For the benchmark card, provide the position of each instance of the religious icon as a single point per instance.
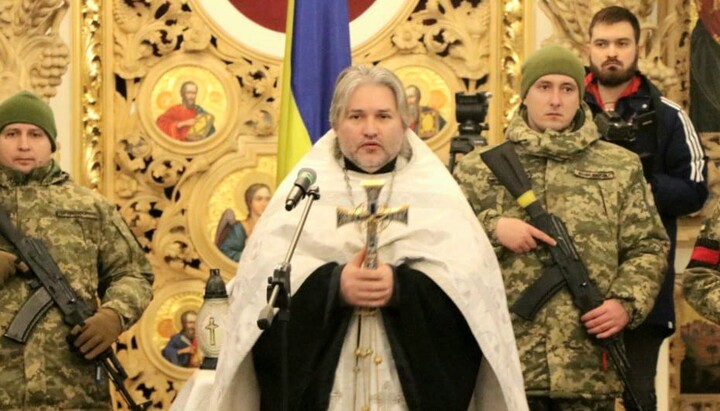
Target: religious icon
(188, 104)
(429, 99)
(704, 57)
(187, 121)
(182, 348)
(232, 234)
(426, 121)
(169, 330)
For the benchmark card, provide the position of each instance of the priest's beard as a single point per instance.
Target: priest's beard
(613, 77)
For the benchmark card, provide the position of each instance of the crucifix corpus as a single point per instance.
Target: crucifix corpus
(368, 353)
(374, 218)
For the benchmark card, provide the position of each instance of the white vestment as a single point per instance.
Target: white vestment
(442, 239)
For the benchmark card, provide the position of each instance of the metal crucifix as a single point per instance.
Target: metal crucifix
(373, 217)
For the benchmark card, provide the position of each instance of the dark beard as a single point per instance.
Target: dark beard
(615, 77)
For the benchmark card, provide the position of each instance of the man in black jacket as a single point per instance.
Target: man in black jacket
(673, 160)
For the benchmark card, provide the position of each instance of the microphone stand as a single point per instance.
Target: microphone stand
(278, 297)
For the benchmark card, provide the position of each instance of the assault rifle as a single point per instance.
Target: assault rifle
(568, 269)
(51, 287)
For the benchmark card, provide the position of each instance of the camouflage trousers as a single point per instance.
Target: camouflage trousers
(569, 404)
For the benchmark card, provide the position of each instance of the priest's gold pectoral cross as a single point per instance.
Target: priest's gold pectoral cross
(374, 218)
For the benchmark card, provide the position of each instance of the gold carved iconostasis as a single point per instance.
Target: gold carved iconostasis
(175, 174)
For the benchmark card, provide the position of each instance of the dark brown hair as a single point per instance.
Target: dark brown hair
(615, 14)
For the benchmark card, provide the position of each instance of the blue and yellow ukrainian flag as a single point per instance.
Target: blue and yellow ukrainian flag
(317, 49)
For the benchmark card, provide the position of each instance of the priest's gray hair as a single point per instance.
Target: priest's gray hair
(355, 76)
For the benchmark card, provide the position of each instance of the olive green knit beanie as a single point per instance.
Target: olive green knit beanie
(551, 60)
(26, 107)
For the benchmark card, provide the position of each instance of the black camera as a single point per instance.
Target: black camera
(613, 128)
(470, 113)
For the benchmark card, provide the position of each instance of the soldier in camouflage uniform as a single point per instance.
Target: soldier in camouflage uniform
(701, 281)
(598, 190)
(93, 247)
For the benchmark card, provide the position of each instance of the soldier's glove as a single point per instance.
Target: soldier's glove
(97, 333)
(9, 264)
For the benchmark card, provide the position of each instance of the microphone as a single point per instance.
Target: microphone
(306, 177)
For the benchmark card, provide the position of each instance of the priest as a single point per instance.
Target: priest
(425, 327)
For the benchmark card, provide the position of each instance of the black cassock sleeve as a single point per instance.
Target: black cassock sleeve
(435, 353)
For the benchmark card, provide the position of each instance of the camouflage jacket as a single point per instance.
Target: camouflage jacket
(701, 280)
(103, 263)
(598, 190)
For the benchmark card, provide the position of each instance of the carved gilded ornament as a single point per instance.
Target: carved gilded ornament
(172, 192)
(571, 19)
(32, 55)
(172, 187)
(510, 55)
(157, 46)
(145, 32)
(457, 36)
(434, 114)
(463, 39)
(86, 100)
